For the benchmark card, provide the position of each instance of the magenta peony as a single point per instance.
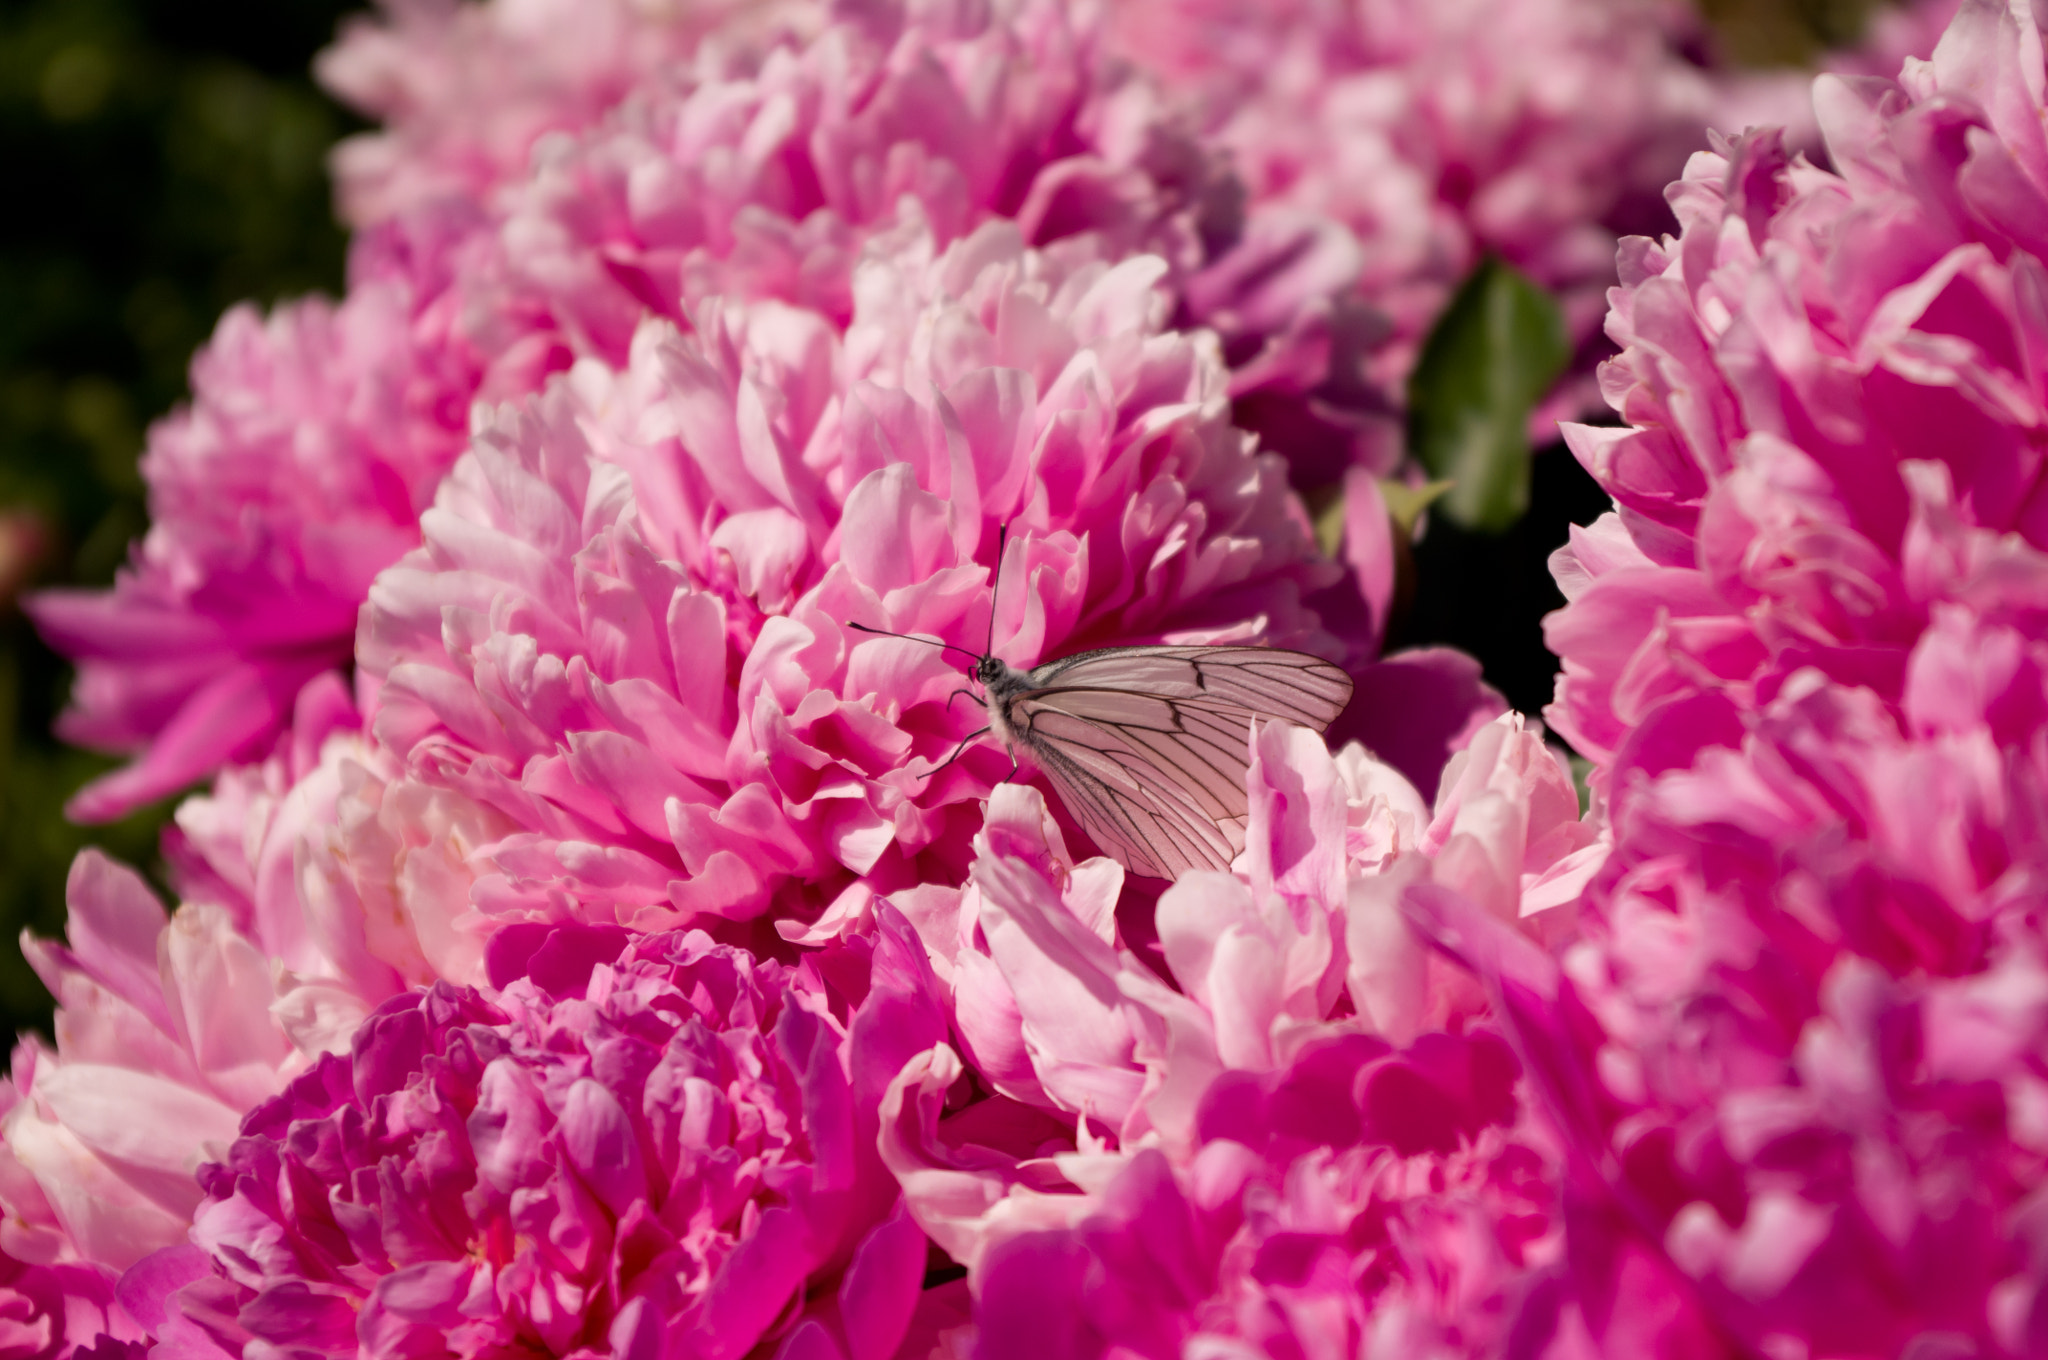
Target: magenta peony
(655, 1150)
(1830, 398)
(1802, 1038)
(1315, 1145)
(1810, 1010)
(1361, 1201)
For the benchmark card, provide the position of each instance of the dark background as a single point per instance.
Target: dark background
(167, 161)
(167, 158)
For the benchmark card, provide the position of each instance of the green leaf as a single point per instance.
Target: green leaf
(1325, 506)
(1582, 770)
(1406, 503)
(1496, 351)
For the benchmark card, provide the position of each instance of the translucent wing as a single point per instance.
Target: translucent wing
(1148, 746)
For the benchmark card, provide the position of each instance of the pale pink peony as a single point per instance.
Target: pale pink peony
(312, 446)
(1437, 131)
(627, 634)
(769, 182)
(1802, 1039)
(660, 1148)
(465, 90)
(169, 1028)
(1315, 1145)
(53, 1305)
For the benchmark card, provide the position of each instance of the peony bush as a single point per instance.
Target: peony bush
(609, 929)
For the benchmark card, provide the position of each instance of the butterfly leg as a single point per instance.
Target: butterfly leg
(969, 693)
(957, 751)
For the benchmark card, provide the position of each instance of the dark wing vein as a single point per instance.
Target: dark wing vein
(1266, 681)
(1159, 801)
(1148, 747)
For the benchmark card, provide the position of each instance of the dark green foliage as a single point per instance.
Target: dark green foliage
(1493, 355)
(1487, 593)
(1784, 32)
(163, 161)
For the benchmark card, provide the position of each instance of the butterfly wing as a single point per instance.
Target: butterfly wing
(1148, 746)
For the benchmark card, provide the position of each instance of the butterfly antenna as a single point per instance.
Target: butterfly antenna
(929, 642)
(995, 591)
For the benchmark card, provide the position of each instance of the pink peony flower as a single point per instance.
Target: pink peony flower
(770, 181)
(1830, 397)
(660, 1149)
(169, 1028)
(298, 473)
(627, 633)
(62, 1312)
(464, 91)
(151, 1072)
(312, 446)
(1437, 132)
(1314, 1145)
(1361, 1201)
(1801, 1038)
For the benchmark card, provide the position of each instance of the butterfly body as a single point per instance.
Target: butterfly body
(1003, 684)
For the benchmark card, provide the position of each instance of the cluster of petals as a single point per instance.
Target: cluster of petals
(1310, 1141)
(769, 181)
(463, 91)
(629, 632)
(639, 1147)
(63, 1310)
(1803, 1037)
(1831, 388)
(170, 1027)
(1440, 132)
(763, 171)
(314, 439)
(820, 334)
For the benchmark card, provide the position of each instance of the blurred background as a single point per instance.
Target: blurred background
(168, 160)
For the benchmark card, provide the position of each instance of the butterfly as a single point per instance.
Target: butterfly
(1148, 747)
